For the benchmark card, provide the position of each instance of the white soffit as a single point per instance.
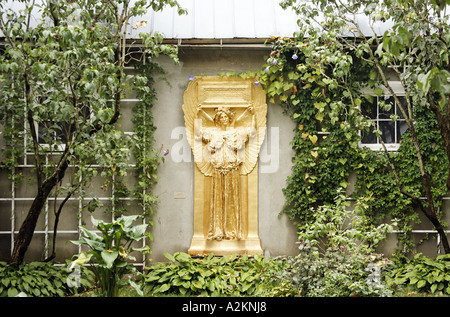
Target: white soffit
(216, 19)
(221, 19)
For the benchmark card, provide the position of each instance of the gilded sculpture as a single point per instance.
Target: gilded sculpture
(225, 123)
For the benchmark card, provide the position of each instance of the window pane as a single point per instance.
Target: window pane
(383, 114)
(42, 135)
(53, 133)
(368, 137)
(402, 127)
(370, 108)
(404, 106)
(388, 129)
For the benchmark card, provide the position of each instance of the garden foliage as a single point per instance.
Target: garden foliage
(214, 276)
(423, 274)
(337, 256)
(62, 79)
(110, 253)
(42, 279)
(327, 76)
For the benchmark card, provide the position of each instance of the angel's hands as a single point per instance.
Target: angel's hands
(198, 108)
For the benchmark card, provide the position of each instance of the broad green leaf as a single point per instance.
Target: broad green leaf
(401, 280)
(421, 283)
(413, 280)
(423, 83)
(81, 260)
(90, 234)
(378, 91)
(170, 257)
(5, 281)
(163, 288)
(433, 288)
(138, 232)
(136, 287)
(109, 257)
(127, 220)
(182, 257)
(94, 221)
(12, 292)
(183, 290)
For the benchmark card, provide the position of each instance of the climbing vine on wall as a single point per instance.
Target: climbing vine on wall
(147, 155)
(327, 139)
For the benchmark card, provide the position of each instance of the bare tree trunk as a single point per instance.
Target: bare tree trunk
(28, 226)
(55, 226)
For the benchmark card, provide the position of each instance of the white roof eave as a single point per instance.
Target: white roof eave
(218, 19)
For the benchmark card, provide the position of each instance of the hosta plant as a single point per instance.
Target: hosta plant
(423, 274)
(216, 276)
(39, 279)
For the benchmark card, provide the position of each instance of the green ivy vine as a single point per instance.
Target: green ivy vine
(147, 156)
(326, 142)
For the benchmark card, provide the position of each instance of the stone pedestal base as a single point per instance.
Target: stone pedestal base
(203, 247)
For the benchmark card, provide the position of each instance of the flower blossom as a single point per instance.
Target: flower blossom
(191, 78)
(294, 57)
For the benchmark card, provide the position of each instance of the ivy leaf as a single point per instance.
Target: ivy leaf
(313, 138)
(319, 116)
(423, 83)
(378, 91)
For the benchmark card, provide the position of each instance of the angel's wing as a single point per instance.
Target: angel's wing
(256, 139)
(189, 109)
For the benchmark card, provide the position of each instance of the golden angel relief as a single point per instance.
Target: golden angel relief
(225, 126)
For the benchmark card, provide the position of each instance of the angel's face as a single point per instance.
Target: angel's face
(224, 119)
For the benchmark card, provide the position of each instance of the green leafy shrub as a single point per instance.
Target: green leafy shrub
(332, 274)
(423, 274)
(37, 279)
(110, 253)
(336, 256)
(215, 276)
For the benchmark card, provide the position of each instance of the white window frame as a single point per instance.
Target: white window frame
(400, 92)
(46, 146)
(60, 147)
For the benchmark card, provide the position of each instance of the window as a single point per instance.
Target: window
(391, 130)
